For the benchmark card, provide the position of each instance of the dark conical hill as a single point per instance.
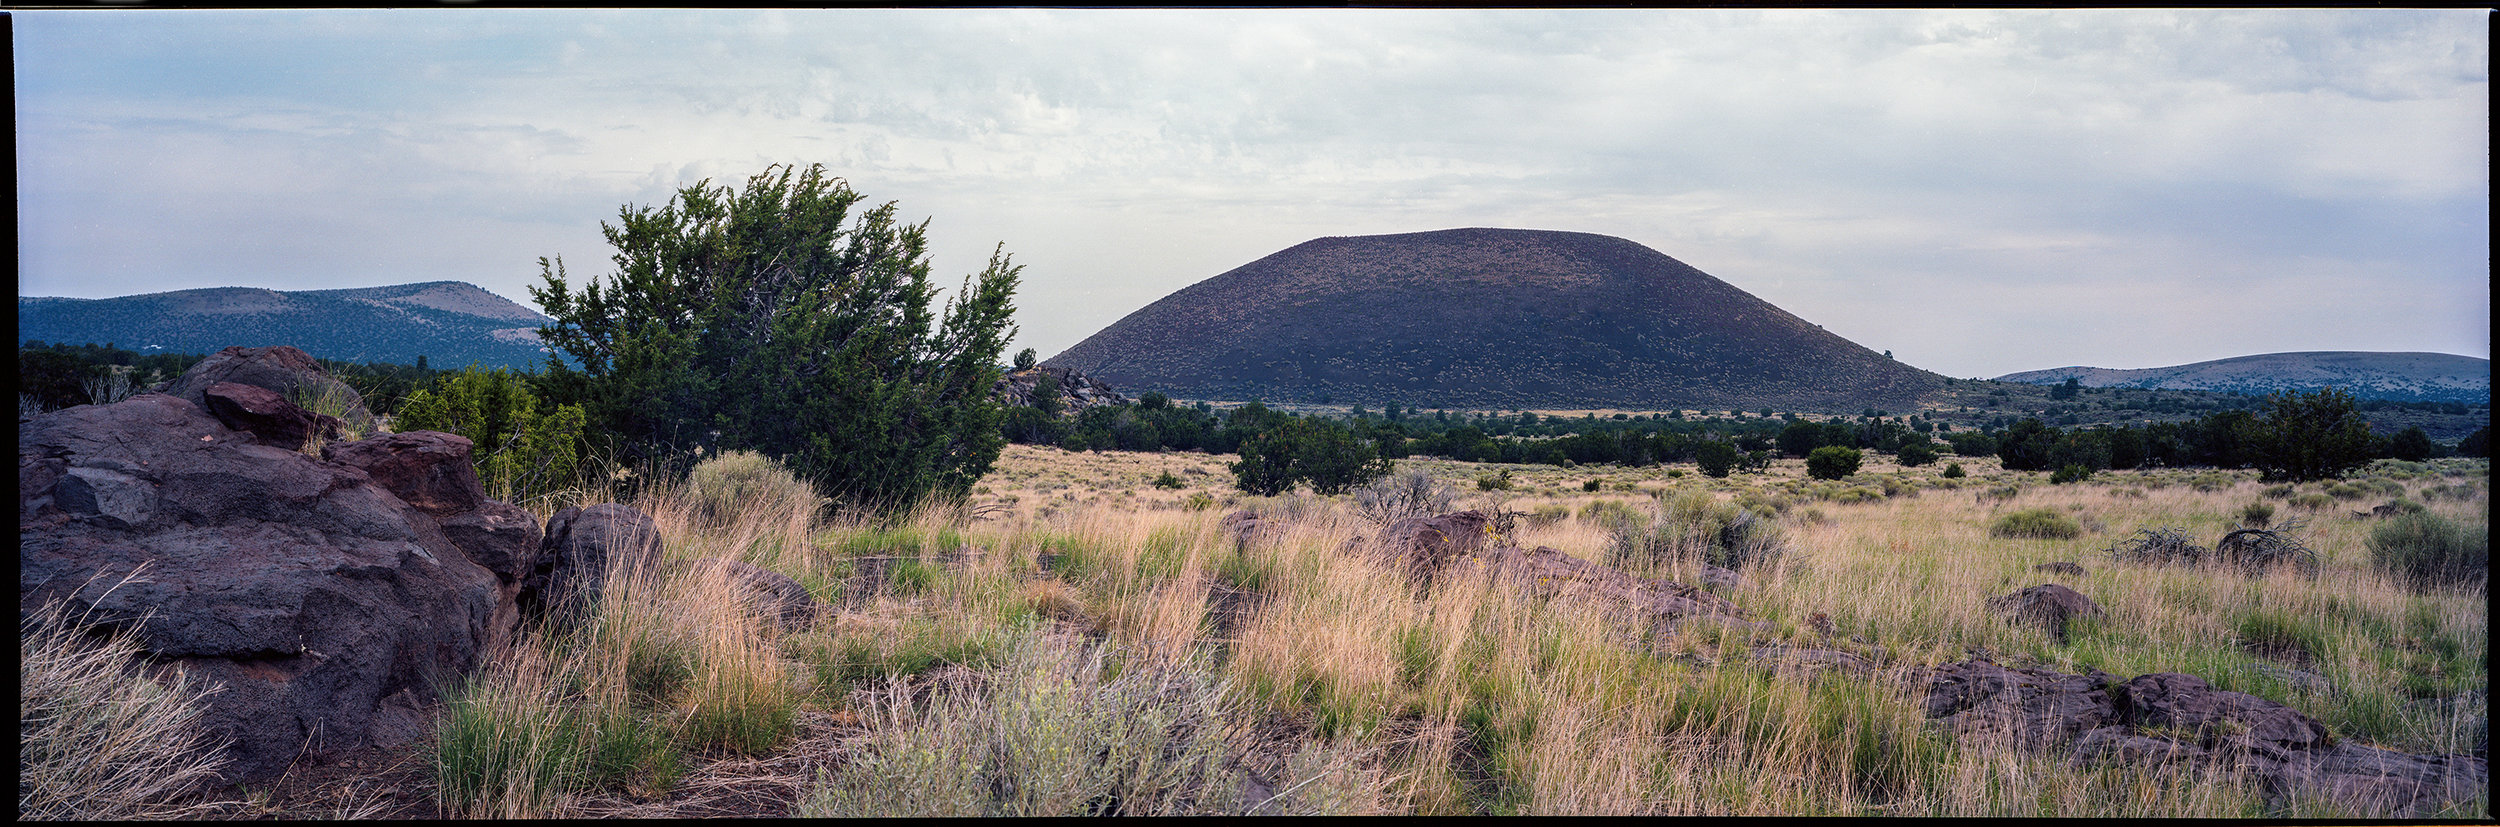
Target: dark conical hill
(1487, 318)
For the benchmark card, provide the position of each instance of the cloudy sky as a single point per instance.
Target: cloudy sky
(1978, 192)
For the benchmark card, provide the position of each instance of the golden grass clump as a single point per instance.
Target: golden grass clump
(98, 739)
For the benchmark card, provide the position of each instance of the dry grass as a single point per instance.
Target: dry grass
(986, 660)
(98, 738)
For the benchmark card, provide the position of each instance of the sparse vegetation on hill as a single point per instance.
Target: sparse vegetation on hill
(1487, 318)
(454, 323)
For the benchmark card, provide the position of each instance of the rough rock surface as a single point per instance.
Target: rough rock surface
(283, 370)
(1426, 547)
(1554, 573)
(327, 606)
(2164, 717)
(2048, 605)
(267, 416)
(427, 469)
(1077, 392)
(574, 562)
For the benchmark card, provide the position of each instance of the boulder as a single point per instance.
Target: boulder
(427, 469)
(1241, 526)
(1551, 573)
(267, 416)
(2049, 606)
(2186, 704)
(1077, 392)
(2031, 707)
(290, 373)
(328, 608)
(583, 547)
(2171, 717)
(776, 599)
(1423, 546)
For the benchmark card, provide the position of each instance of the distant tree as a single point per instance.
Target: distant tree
(1324, 454)
(2029, 445)
(1025, 359)
(1832, 462)
(1800, 438)
(1916, 454)
(2412, 445)
(1716, 457)
(2476, 444)
(2311, 436)
(1152, 401)
(1971, 443)
(1755, 462)
(2067, 389)
(53, 379)
(775, 317)
(1954, 471)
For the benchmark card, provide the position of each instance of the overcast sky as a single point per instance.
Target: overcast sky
(1979, 192)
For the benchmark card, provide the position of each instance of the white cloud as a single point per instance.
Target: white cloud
(1873, 171)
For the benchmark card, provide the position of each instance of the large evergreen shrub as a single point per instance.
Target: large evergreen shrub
(773, 318)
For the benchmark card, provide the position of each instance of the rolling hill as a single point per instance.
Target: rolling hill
(2401, 377)
(1487, 318)
(452, 323)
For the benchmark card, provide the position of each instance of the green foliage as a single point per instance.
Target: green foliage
(1592, 485)
(1047, 395)
(2070, 473)
(1494, 482)
(777, 319)
(1715, 458)
(1916, 454)
(1832, 462)
(523, 448)
(1954, 471)
(1325, 454)
(2412, 444)
(2030, 445)
(2036, 524)
(54, 380)
(1800, 438)
(2311, 436)
(2256, 515)
(1167, 482)
(2426, 550)
(1026, 359)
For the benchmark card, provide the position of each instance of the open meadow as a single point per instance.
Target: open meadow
(1081, 639)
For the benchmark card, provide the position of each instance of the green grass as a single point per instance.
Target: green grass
(2036, 524)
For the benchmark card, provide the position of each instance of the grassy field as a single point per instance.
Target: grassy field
(1080, 640)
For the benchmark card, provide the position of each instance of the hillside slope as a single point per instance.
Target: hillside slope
(452, 323)
(2401, 376)
(1487, 318)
